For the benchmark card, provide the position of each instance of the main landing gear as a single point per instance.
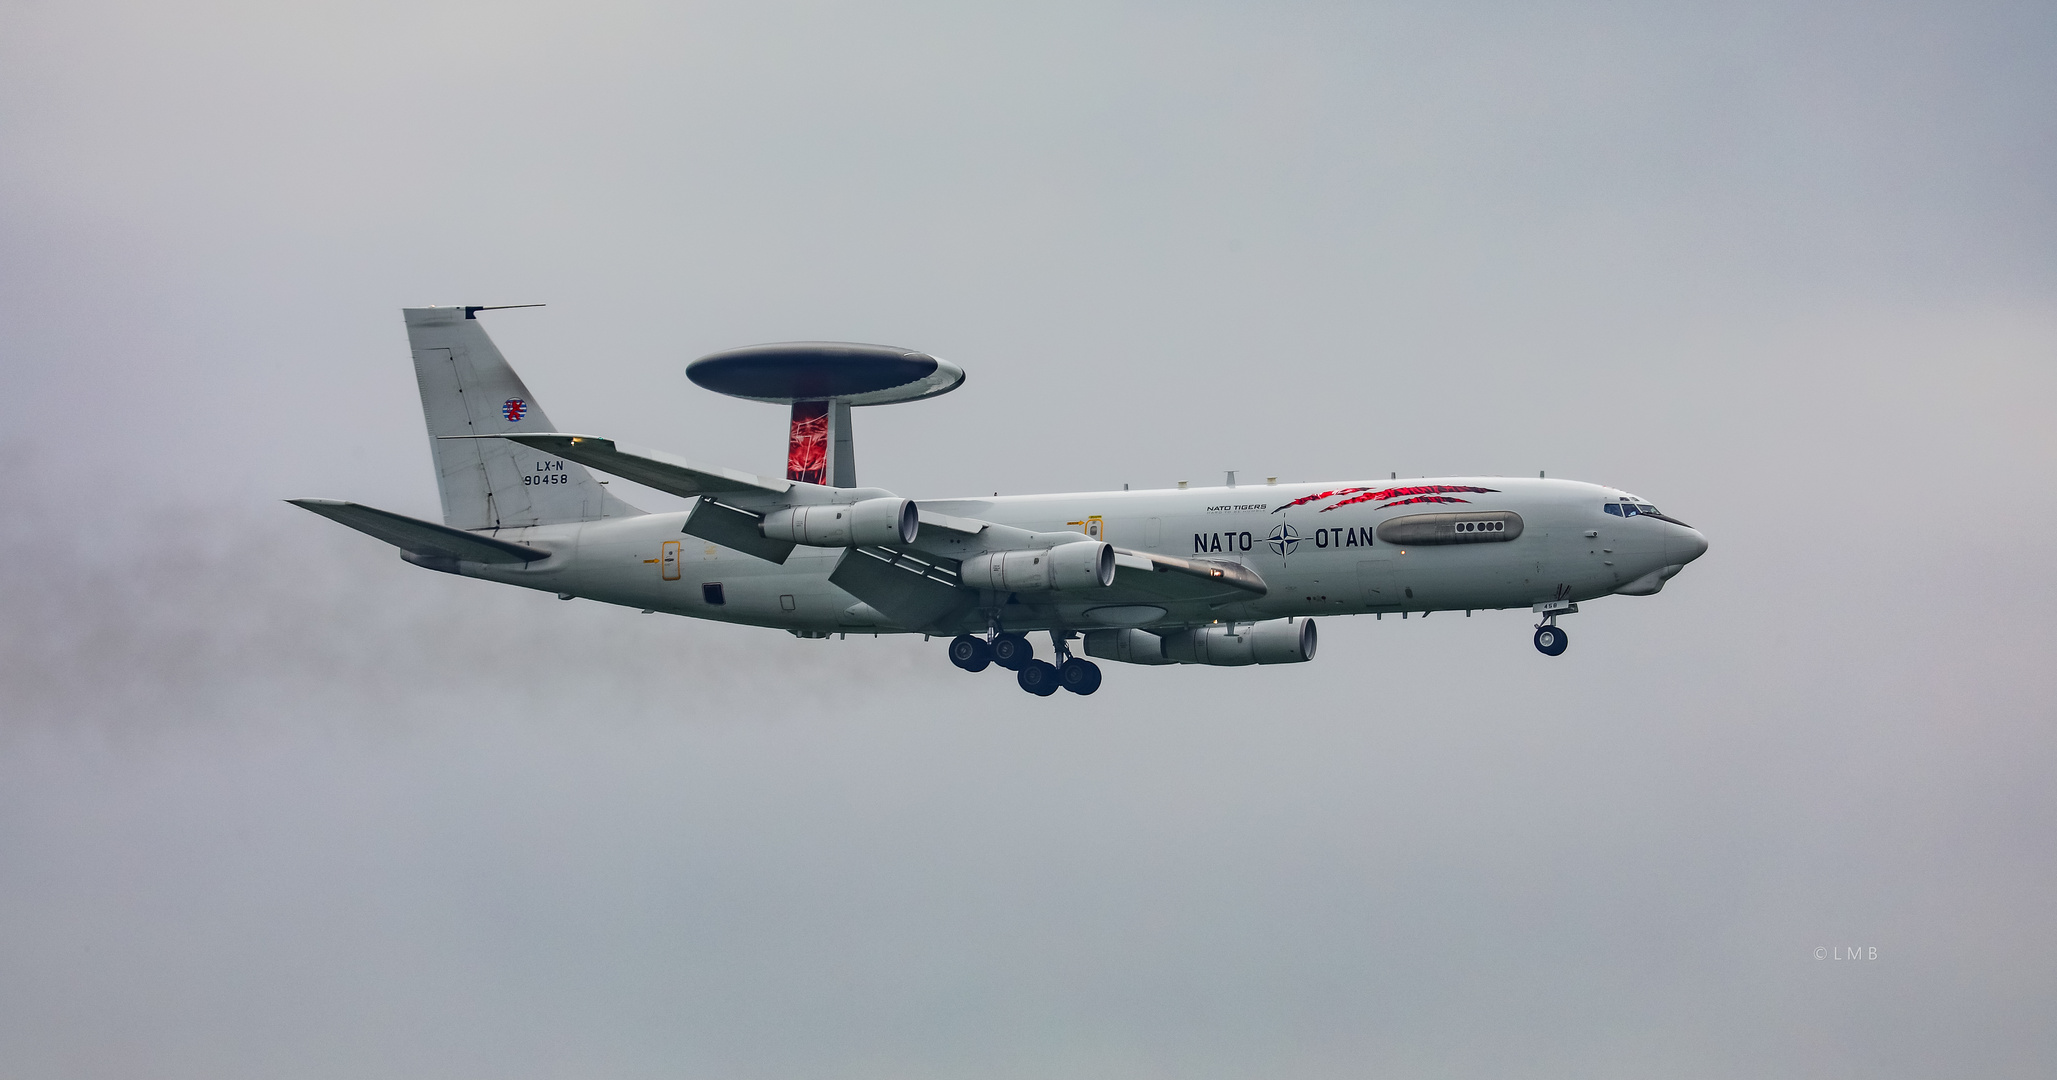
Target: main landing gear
(970, 653)
(1013, 652)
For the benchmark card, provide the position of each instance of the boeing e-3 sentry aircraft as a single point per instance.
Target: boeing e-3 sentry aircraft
(1223, 576)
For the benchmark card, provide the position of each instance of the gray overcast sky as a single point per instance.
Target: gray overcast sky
(273, 804)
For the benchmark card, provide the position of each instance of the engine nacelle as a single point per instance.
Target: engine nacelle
(871, 521)
(1085, 564)
(1274, 641)
(1127, 646)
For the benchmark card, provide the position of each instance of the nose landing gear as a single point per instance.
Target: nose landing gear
(1550, 638)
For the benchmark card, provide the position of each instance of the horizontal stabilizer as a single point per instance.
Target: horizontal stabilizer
(651, 468)
(423, 538)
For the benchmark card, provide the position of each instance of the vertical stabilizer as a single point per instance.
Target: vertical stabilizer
(468, 389)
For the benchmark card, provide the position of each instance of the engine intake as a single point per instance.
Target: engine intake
(1085, 564)
(858, 524)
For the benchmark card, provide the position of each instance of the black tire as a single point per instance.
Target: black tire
(1011, 651)
(1551, 640)
(1038, 678)
(1079, 676)
(970, 653)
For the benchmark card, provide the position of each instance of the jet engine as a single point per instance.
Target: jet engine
(1084, 564)
(870, 521)
(1127, 646)
(1274, 641)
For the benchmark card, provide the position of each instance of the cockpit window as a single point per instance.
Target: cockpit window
(1613, 508)
(1647, 509)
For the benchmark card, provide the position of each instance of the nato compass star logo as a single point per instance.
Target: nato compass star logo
(1284, 539)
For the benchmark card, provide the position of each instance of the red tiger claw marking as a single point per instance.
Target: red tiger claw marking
(1426, 499)
(1317, 498)
(1421, 489)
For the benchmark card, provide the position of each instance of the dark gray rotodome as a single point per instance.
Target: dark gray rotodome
(820, 370)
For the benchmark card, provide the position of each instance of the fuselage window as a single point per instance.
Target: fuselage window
(1481, 526)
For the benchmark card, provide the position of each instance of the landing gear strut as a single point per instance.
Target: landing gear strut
(1077, 675)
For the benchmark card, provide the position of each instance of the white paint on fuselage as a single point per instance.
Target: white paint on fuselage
(1331, 570)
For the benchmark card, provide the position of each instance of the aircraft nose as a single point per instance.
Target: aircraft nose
(1684, 544)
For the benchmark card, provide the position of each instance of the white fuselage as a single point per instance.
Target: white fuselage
(1314, 561)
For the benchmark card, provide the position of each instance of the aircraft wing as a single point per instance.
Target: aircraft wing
(1168, 577)
(651, 468)
(949, 540)
(962, 526)
(906, 587)
(919, 587)
(945, 541)
(423, 538)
